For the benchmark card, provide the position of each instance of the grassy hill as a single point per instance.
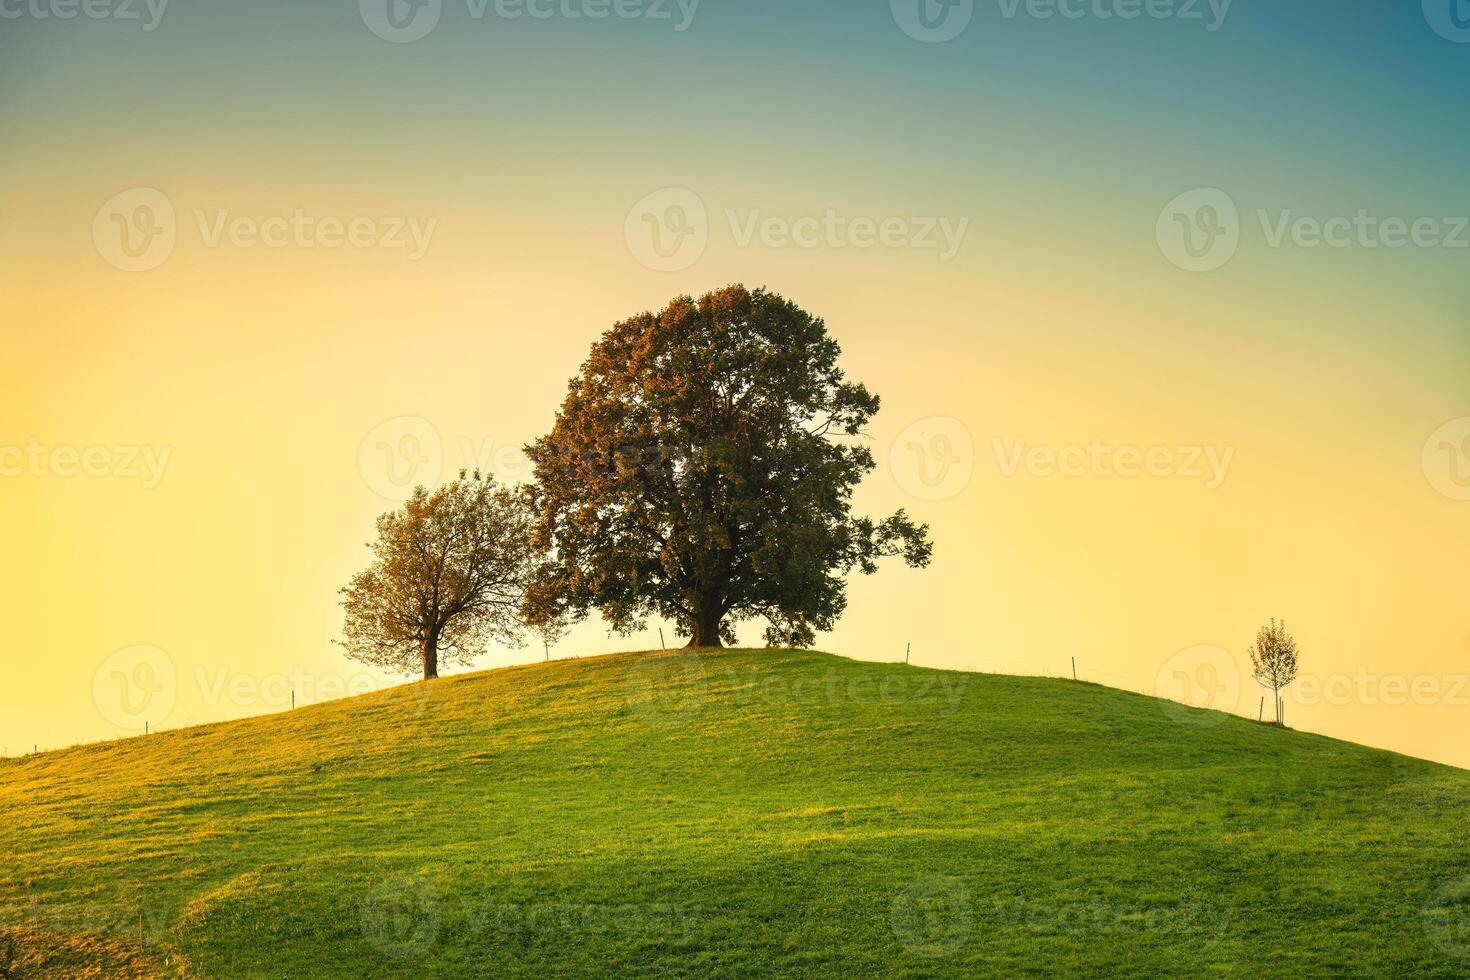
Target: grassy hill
(742, 813)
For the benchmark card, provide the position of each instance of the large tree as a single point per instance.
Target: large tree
(701, 469)
(448, 575)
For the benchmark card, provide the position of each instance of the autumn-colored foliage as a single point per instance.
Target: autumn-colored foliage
(448, 574)
(701, 469)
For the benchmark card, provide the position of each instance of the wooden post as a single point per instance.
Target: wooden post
(1261, 715)
(546, 645)
(661, 638)
(908, 650)
(1074, 668)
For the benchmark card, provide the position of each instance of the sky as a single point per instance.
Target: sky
(1165, 301)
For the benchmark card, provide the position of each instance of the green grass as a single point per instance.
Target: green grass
(743, 813)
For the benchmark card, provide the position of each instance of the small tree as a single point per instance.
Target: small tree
(1274, 660)
(448, 576)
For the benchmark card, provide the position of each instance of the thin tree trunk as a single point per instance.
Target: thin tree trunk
(431, 658)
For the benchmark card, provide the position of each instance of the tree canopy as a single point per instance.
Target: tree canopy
(448, 575)
(701, 468)
(1273, 660)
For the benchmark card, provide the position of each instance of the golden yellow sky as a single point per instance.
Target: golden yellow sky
(241, 400)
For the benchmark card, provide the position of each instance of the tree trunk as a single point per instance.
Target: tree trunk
(430, 650)
(706, 628)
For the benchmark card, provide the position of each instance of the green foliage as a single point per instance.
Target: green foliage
(701, 469)
(745, 814)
